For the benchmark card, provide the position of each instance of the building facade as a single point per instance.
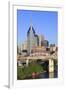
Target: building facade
(46, 43)
(39, 51)
(24, 45)
(41, 40)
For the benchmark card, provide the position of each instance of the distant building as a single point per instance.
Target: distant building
(19, 49)
(52, 45)
(32, 39)
(39, 51)
(24, 45)
(24, 48)
(41, 40)
(36, 40)
(24, 53)
(46, 43)
(53, 48)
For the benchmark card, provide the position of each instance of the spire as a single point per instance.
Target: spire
(31, 23)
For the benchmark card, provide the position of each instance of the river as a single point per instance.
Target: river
(45, 75)
(48, 75)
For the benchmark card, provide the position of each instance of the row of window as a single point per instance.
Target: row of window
(39, 54)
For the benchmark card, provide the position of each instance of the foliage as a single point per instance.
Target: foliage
(27, 71)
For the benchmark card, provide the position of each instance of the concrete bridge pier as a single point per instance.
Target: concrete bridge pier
(51, 75)
(51, 66)
(27, 62)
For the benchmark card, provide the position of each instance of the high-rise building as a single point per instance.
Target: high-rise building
(46, 43)
(32, 39)
(36, 40)
(24, 45)
(41, 40)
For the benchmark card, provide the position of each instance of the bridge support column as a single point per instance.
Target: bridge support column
(27, 63)
(51, 75)
(51, 65)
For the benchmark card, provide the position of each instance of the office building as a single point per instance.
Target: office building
(32, 39)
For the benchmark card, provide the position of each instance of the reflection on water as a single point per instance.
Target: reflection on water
(48, 75)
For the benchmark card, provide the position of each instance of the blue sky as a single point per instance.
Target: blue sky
(44, 22)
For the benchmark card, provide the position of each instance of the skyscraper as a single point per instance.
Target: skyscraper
(32, 39)
(41, 40)
(46, 43)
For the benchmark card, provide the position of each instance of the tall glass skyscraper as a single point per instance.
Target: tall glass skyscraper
(32, 39)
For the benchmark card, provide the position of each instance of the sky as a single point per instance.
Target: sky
(44, 23)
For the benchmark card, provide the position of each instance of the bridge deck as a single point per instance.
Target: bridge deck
(44, 58)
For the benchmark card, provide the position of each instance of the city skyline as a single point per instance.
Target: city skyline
(40, 22)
